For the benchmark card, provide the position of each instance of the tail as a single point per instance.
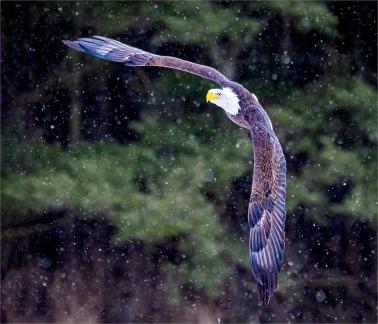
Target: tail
(111, 50)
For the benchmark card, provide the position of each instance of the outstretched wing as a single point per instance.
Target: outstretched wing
(112, 50)
(266, 211)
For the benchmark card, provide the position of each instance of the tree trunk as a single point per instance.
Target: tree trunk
(74, 133)
(225, 59)
(75, 114)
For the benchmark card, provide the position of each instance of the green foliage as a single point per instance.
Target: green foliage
(152, 190)
(305, 15)
(204, 22)
(315, 123)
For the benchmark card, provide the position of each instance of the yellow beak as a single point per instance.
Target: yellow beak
(210, 96)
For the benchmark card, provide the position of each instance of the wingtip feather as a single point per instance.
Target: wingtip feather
(264, 295)
(110, 50)
(72, 44)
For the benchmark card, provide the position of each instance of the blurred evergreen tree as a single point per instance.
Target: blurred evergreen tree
(168, 169)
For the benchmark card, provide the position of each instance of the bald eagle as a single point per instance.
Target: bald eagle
(266, 209)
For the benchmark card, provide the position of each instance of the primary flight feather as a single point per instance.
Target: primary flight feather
(266, 210)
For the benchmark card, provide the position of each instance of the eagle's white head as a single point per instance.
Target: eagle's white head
(224, 98)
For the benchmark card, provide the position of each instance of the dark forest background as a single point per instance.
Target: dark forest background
(124, 195)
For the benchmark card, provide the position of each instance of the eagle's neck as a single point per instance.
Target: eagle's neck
(232, 106)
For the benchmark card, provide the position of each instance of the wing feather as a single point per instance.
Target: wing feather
(266, 212)
(113, 50)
